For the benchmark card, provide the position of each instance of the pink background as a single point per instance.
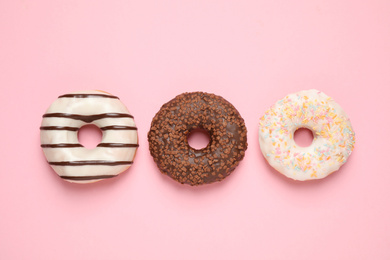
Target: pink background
(146, 52)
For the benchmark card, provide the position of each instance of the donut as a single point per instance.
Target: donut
(176, 119)
(333, 140)
(70, 159)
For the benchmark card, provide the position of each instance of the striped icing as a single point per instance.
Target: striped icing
(69, 159)
(333, 141)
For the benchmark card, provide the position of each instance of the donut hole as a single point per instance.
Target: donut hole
(198, 138)
(303, 137)
(89, 136)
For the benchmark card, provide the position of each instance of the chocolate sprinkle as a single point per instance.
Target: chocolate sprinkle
(176, 119)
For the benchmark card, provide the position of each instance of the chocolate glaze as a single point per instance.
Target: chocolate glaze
(118, 127)
(110, 127)
(113, 145)
(63, 145)
(176, 119)
(86, 96)
(88, 118)
(87, 178)
(90, 162)
(67, 128)
(67, 145)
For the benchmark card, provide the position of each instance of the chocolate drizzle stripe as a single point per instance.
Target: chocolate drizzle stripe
(87, 178)
(91, 162)
(86, 96)
(110, 127)
(63, 145)
(117, 145)
(118, 127)
(67, 128)
(68, 145)
(88, 118)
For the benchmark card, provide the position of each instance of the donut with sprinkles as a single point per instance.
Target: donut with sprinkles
(171, 126)
(333, 141)
(70, 159)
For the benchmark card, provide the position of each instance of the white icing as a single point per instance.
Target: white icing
(333, 140)
(88, 106)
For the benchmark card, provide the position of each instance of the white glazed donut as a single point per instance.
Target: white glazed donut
(333, 141)
(69, 159)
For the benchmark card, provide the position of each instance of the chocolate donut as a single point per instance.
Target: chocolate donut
(176, 119)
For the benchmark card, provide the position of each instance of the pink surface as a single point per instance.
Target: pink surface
(146, 52)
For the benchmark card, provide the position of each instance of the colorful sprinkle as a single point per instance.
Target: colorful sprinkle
(333, 142)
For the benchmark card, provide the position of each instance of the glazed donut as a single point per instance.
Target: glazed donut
(333, 141)
(197, 110)
(69, 159)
